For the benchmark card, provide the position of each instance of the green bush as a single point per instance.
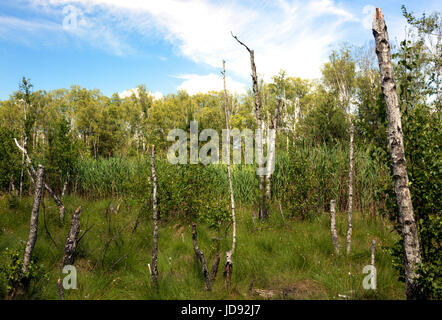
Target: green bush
(11, 277)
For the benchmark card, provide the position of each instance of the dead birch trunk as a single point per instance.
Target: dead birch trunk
(34, 220)
(228, 269)
(11, 185)
(22, 167)
(71, 240)
(263, 206)
(412, 255)
(60, 289)
(350, 190)
(65, 185)
(215, 265)
(33, 174)
(271, 155)
(154, 271)
(334, 232)
(200, 255)
(373, 248)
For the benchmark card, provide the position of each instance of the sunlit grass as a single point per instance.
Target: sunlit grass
(275, 255)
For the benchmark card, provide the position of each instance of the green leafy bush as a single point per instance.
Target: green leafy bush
(11, 277)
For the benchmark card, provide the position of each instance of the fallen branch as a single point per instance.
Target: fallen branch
(107, 244)
(84, 233)
(45, 225)
(121, 258)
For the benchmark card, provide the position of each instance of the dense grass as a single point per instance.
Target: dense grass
(305, 179)
(277, 254)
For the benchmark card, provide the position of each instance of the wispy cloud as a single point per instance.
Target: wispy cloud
(194, 83)
(295, 35)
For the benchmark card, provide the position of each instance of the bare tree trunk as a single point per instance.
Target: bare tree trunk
(334, 232)
(154, 272)
(33, 174)
(271, 155)
(11, 185)
(228, 269)
(60, 289)
(65, 185)
(71, 240)
(263, 206)
(373, 247)
(34, 220)
(22, 167)
(200, 255)
(215, 265)
(412, 256)
(350, 190)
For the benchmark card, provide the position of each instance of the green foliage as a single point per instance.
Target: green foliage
(326, 122)
(9, 159)
(62, 154)
(421, 125)
(11, 262)
(430, 271)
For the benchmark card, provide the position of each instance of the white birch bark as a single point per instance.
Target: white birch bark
(32, 238)
(72, 238)
(154, 271)
(272, 154)
(333, 230)
(373, 248)
(350, 190)
(263, 207)
(229, 255)
(412, 255)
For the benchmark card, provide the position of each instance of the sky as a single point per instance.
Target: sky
(115, 45)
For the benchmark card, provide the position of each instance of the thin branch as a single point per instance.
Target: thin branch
(240, 42)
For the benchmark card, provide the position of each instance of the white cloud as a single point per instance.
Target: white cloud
(195, 83)
(129, 92)
(294, 35)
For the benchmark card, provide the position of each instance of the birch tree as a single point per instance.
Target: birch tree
(154, 270)
(412, 256)
(229, 254)
(263, 206)
(339, 75)
(32, 238)
(350, 189)
(271, 155)
(72, 238)
(333, 230)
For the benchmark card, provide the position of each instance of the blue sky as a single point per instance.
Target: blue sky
(115, 45)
